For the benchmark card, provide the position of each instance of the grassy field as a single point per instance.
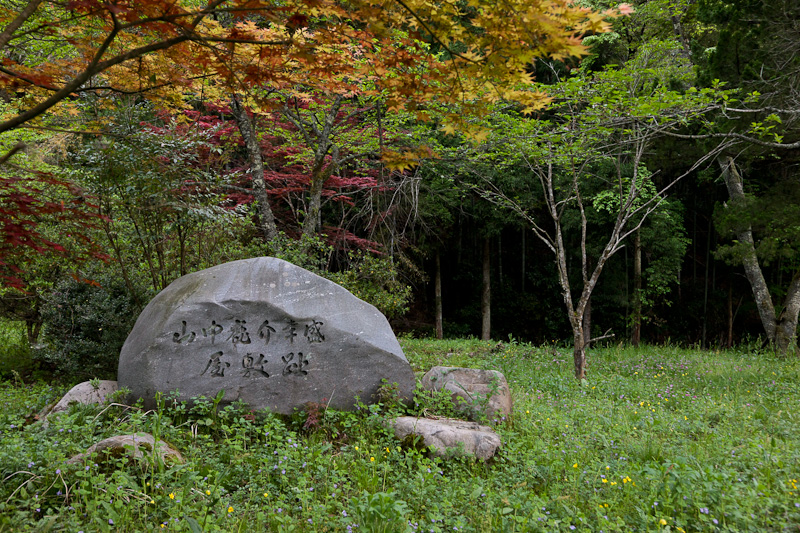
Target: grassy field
(657, 439)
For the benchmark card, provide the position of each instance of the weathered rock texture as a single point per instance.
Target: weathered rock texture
(474, 391)
(139, 446)
(267, 332)
(449, 437)
(82, 393)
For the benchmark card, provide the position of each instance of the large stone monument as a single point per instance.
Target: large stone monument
(269, 333)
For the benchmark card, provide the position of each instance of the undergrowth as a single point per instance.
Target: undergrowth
(657, 439)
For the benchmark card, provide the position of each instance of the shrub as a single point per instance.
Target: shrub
(85, 326)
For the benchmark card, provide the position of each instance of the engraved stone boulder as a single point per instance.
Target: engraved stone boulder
(137, 447)
(474, 391)
(448, 437)
(268, 333)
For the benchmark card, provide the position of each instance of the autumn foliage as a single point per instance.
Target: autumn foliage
(31, 203)
(406, 53)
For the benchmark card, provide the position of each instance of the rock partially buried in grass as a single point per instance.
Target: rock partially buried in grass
(138, 447)
(268, 333)
(84, 393)
(475, 392)
(448, 437)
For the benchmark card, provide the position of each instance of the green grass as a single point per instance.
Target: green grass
(657, 439)
(15, 353)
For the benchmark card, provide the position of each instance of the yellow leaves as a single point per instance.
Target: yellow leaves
(71, 109)
(408, 159)
(352, 47)
(477, 136)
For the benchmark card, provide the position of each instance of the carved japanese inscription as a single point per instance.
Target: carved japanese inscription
(268, 356)
(268, 334)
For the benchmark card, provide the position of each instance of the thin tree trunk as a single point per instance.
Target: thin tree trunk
(786, 327)
(587, 324)
(438, 297)
(33, 328)
(781, 330)
(500, 259)
(266, 219)
(766, 309)
(730, 315)
(523, 261)
(317, 135)
(636, 334)
(123, 269)
(704, 337)
(486, 293)
(579, 352)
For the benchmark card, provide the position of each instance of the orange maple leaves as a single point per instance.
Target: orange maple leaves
(410, 50)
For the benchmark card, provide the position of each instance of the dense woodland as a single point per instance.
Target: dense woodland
(588, 171)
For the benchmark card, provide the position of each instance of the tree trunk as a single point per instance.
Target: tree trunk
(636, 334)
(781, 331)
(266, 219)
(587, 324)
(786, 326)
(486, 293)
(703, 343)
(438, 297)
(729, 344)
(33, 327)
(522, 280)
(317, 135)
(312, 224)
(579, 352)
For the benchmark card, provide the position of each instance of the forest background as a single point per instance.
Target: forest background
(609, 170)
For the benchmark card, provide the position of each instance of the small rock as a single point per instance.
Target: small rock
(83, 393)
(449, 437)
(137, 447)
(475, 392)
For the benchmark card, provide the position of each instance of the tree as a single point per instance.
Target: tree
(756, 52)
(777, 216)
(117, 47)
(411, 49)
(610, 118)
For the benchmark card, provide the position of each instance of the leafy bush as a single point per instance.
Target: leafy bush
(371, 278)
(86, 325)
(375, 280)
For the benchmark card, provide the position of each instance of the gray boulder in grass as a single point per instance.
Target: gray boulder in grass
(83, 393)
(448, 437)
(138, 446)
(268, 333)
(474, 391)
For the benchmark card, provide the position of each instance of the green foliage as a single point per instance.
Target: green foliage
(774, 217)
(309, 252)
(381, 512)
(86, 326)
(658, 439)
(16, 357)
(158, 189)
(369, 277)
(375, 280)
